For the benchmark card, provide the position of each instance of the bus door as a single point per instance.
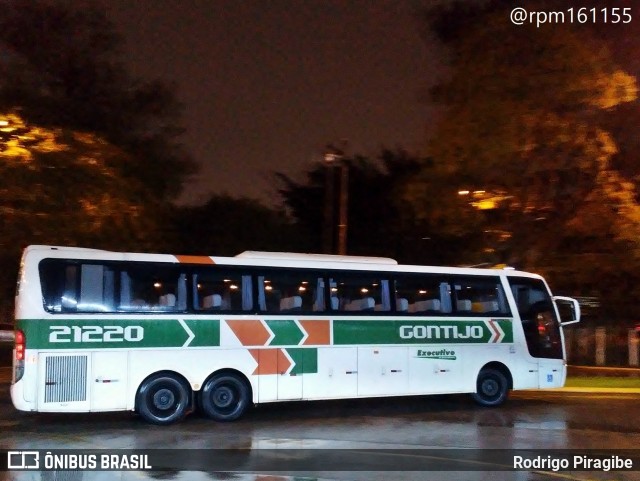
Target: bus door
(542, 331)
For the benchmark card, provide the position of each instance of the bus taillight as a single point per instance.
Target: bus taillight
(18, 363)
(20, 342)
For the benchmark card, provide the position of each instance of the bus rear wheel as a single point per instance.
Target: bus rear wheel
(224, 397)
(492, 388)
(163, 399)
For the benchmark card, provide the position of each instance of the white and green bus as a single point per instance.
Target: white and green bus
(163, 335)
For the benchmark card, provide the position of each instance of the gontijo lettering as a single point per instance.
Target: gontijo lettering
(441, 332)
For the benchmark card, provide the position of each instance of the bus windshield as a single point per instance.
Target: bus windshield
(538, 317)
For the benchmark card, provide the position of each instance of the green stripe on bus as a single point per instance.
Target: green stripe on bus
(305, 359)
(286, 333)
(206, 332)
(408, 331)
(119, 333)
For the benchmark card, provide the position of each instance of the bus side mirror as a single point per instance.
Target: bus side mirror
(563, 304)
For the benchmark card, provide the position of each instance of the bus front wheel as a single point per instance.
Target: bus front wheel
(163, 399)
(224, 397)
(492, 388)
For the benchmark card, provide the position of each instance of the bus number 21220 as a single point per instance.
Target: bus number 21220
(96, 333)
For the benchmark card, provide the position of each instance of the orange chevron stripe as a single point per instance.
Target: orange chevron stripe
(283, 362)
(319, 332)
(270, 361)
(267, 360)
(194, 259)
(250, 332)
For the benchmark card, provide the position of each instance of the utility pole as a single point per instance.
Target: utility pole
(344, 202)
(335, 156)
(327, 231)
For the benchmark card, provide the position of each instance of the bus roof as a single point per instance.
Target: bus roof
(268, 259)
(315, 257)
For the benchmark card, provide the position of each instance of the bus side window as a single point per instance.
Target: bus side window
(222, 290)
(59, 282)
(479, 296)
(290, 292)
(421, 295)
(360, 293)
(74, 287)
(152, 287)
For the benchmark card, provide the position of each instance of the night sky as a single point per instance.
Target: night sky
(267, 84)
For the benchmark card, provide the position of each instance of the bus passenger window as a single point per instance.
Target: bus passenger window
(421, 295)
(152, 287)
(59, 282)
(360, 293)
(69, 286)
(290, 292)
(222, 290)
(479, 296)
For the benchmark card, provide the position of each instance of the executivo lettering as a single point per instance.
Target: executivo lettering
(443, 354)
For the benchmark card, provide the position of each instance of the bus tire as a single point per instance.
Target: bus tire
(163, 399)
(224, 397)
(492, 388)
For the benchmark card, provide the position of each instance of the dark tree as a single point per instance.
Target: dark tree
(533, 147)
(61, 67)
(380, 220)
(226, 226)
(89, 155)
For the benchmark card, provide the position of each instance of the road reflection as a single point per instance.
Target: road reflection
(528, 421)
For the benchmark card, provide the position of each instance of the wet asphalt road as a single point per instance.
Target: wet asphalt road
(529, 420)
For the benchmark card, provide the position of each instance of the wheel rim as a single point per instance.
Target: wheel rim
(163, 399)
(490, 388)
(224, 397)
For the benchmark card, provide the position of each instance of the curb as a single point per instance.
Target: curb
(594, 390)
(603, 370)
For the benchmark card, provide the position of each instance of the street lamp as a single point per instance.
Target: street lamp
(333, 156)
